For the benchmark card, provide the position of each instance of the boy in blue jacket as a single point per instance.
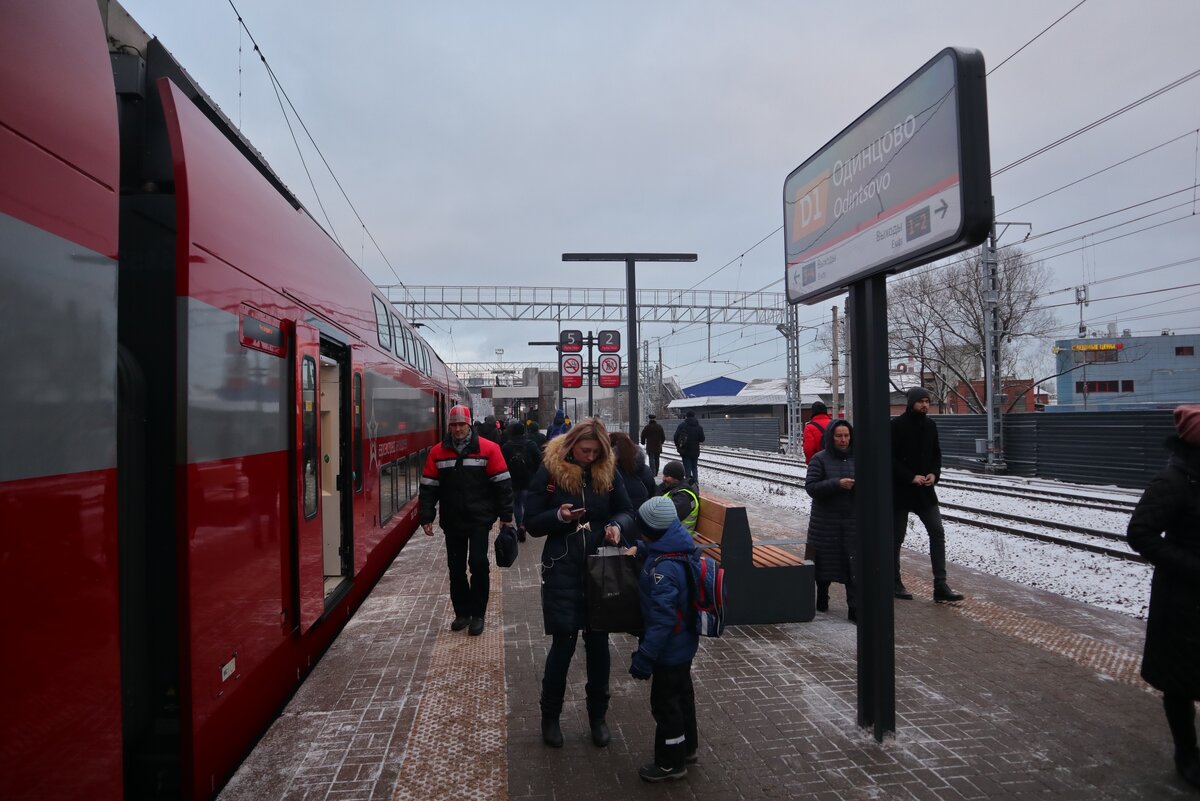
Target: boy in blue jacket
(668, 644)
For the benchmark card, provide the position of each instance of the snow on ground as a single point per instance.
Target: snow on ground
(1090, 578)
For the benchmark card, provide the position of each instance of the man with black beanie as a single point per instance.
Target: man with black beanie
(916, 467)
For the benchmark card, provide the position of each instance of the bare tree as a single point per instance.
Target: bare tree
(936, 318)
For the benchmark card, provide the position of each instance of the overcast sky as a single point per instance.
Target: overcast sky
(481, 140)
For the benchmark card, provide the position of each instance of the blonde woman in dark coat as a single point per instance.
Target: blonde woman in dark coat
(577, 501)
(1165, 528)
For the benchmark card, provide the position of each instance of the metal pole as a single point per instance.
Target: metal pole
(873, 492)
(631, 334)
(591, 374)
(834, 362)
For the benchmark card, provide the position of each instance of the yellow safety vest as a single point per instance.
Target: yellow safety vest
(690, 521)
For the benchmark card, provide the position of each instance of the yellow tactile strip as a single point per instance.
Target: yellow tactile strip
(457, 747)
(1112, 661)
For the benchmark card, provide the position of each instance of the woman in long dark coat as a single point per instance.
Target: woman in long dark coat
(635, 473)
(830, 483)
(1165, 528)
(577, 501)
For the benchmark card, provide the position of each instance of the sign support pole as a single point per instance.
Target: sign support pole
(873, 488)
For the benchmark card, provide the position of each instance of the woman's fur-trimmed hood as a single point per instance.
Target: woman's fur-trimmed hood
(568, 476)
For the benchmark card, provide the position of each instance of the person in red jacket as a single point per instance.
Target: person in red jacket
(466, 477)
(814, 431)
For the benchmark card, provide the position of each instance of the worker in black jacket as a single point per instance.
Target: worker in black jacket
(465, 477)
(916, 467)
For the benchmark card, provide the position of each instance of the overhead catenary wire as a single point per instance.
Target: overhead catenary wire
(278, 86)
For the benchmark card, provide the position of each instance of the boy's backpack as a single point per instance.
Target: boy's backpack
(707, 592)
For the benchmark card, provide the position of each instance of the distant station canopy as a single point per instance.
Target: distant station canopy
(907, 182)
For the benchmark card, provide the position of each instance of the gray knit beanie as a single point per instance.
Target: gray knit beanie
(657, 515)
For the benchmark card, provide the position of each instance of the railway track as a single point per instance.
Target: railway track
(1007, 523)
(1008, 489)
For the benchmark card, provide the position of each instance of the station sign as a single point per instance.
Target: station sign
(570, 341)
(570, 370)
(610, 370)
(608, 341)
(906, 183)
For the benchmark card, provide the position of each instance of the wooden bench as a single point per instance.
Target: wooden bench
(767, 583)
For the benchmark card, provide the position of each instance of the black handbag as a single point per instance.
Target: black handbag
(506, 546)
(614, 601)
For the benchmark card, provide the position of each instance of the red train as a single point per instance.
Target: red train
(213, 431)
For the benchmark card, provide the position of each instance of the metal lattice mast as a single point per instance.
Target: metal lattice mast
(791, 332)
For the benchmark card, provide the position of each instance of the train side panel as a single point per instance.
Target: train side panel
(61, 718)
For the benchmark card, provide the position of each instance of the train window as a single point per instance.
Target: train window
(357, 400)
(408, 346)
(387, 493)
(398, 339)
(382, 325)
(416, 466)
(308, 444)
(1185, 350)
(1127, 386)
(424, 359)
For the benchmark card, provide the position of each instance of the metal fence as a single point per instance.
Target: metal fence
(1121, 448)
(755, 433)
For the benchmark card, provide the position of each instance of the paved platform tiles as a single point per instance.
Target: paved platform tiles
(1012, 694)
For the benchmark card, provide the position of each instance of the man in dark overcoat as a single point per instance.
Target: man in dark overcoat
(916, 468)
(653, 438)
(1165, 528)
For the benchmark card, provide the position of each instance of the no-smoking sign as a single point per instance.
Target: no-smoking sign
(570, 368)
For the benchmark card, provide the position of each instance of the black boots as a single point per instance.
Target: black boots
(600, 733)
(551, 733)
(900, 591)
(460, 623)
(822, 596)
(943, 594)
(1188, 766)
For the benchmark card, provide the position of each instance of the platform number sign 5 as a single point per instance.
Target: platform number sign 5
(570, 368)
(570, 341)
(610, 370)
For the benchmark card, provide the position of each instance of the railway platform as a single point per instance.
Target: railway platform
(1015, 693)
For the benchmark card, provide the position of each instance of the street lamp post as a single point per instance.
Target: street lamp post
(631, 260)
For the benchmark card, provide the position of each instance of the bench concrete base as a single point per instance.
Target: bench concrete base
(776, 594)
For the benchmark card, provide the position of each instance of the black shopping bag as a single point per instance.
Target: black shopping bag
(614, 603)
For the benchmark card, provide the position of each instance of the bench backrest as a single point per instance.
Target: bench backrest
(711, 523)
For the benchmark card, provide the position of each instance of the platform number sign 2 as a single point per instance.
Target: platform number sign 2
(570, 341)
(608, 341)
(610, 370)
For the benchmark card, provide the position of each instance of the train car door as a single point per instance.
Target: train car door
(336, 468)
(307, 546)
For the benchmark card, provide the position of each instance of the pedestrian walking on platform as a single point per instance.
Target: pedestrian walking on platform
(577, 501)
(668, 644)
(560, 425)
(467, 485)
(523, 459)
(814, 431)
(916, 468)
(688, 436)
(830, 483)
(1165, 528)
(653, 438)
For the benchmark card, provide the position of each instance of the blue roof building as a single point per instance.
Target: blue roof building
(716, 386)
